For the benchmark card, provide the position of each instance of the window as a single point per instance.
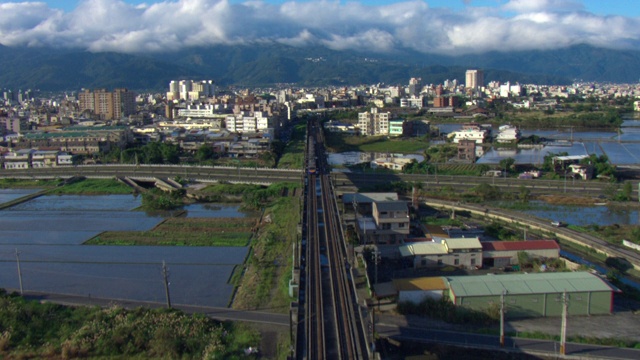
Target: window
(439, 261)
(473, 261)
(456, 262)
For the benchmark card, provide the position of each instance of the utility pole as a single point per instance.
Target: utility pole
(375, 261)
(502, 317)
(563, 328)
(19, 271)
(165, 275)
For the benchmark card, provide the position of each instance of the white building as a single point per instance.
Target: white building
(474, 79)
(393, 163)
(336, 126)
(459, 252)
(414, 102)
(247, 122)
(44, 158)
(468, 134)
(374, 123)
(201, 110)
(508, 133)
(20, 159)
(190, 90)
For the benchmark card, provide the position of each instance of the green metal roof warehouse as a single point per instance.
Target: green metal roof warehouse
(533, 295)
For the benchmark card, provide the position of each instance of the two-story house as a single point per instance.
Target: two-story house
(461, 252)
(392, 221)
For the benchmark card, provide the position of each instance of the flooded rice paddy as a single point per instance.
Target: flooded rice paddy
(48, 233)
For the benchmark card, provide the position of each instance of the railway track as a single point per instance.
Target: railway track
(314, 314)
(332, 319)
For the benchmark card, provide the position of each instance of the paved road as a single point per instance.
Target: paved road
(492, 342)
(218, 313)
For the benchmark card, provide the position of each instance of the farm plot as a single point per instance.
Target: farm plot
(185, 232)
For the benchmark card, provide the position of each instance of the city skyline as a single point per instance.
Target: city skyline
(430, 26)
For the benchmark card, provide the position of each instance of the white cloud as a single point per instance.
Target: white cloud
(171, 25)
(525, 6)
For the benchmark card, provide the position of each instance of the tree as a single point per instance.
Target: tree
(507, 164)
(152, 153)
(625, 194)
(170, 153)
(525, 194)
(486, 192)
(204, 153)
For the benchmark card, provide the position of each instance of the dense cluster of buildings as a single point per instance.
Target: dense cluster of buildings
(382, 223)
(195, 113)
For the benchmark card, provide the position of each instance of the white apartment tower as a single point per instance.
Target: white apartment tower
(415, 86)
(474, 79)
(374, 123)
(190, 90)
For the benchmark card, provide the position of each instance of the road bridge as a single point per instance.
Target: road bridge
(266, 176)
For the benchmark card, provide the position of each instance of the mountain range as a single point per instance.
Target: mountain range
(49, 69)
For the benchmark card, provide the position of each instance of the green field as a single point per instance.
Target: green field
(343, 143)
(184, 232)
(27, 183)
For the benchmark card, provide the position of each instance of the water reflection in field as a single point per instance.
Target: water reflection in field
(585, 215)
(48, 231)
(7, 195)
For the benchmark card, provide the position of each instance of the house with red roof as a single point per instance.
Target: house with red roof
(505, 253)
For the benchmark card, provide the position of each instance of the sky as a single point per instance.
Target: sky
(449, 27)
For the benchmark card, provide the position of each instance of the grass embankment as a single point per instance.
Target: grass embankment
(28, 183)
(29, 329)
(264, 284)
(79, 187)
(226, 192)
(293, 155)
(93, 187)
(184, 232)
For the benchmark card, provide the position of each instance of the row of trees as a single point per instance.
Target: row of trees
(168, 153)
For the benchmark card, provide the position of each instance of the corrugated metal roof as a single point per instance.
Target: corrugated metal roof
(423, 283)
(422, 248)
(520, 245)
(463, 243)
(392, 205)
(368, 197)
(528, 284)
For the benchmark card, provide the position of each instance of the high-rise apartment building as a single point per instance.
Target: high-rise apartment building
(374, 123)
(474, 79)
(190, 90)
(415, 86)
(108, 105)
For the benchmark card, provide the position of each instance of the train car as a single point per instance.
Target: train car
(311, 155)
